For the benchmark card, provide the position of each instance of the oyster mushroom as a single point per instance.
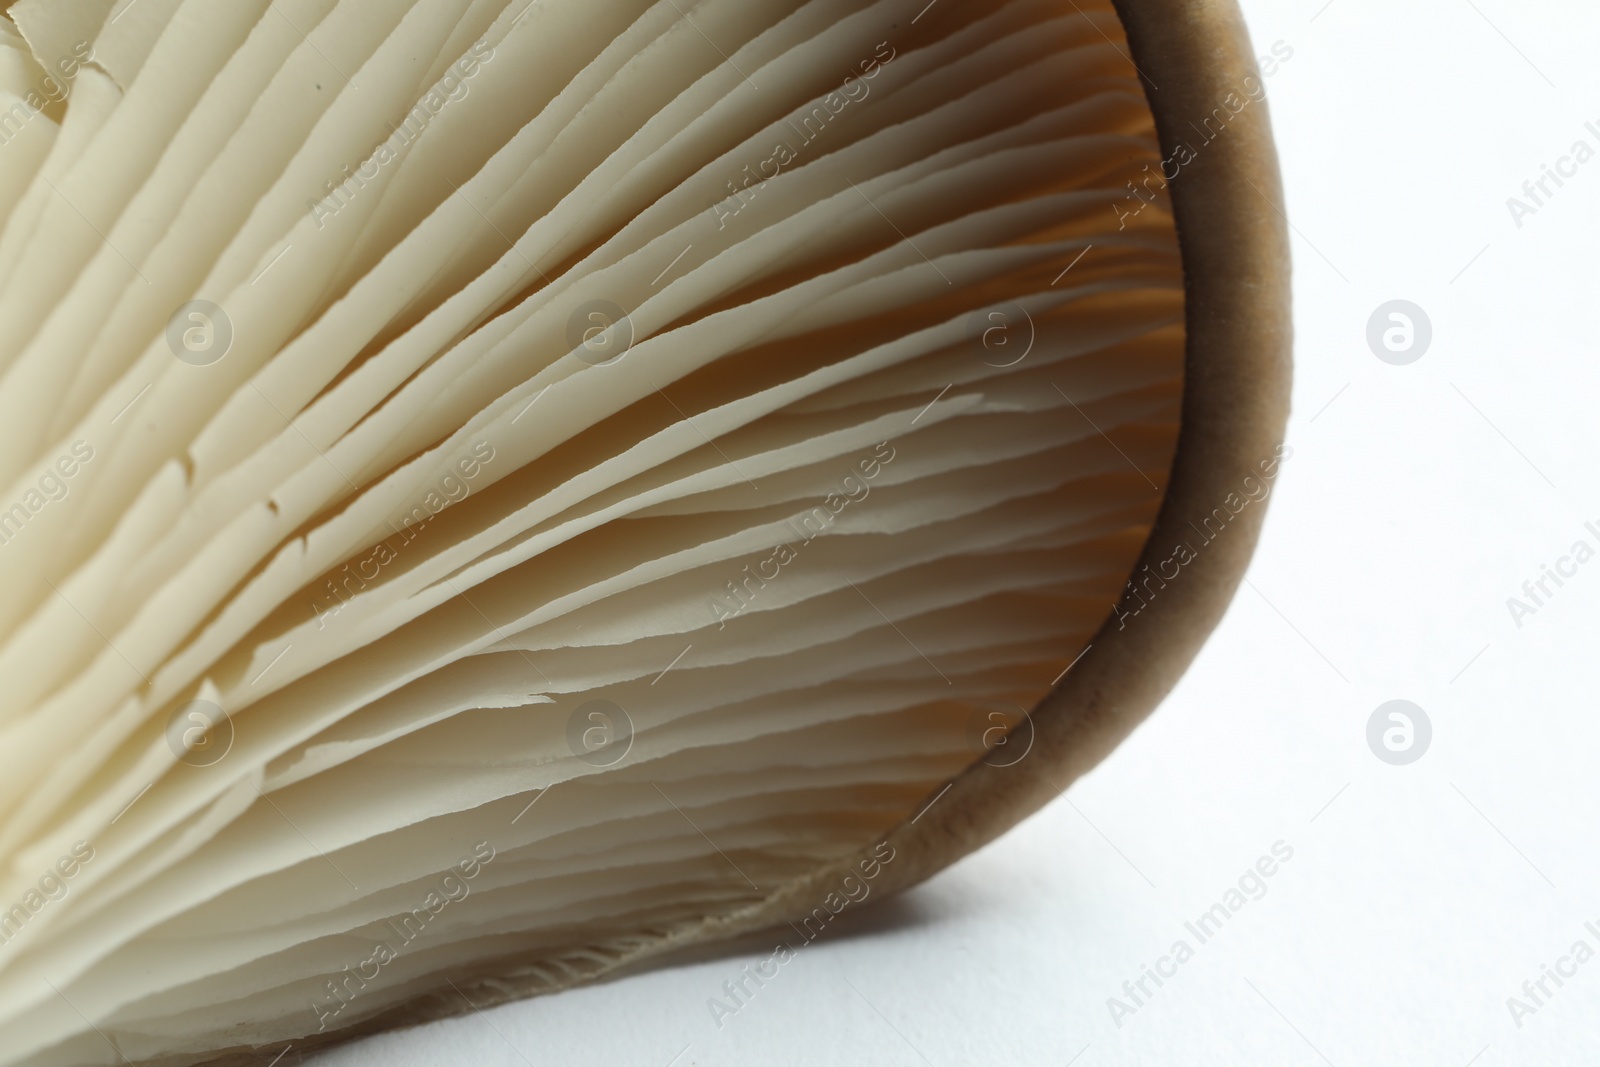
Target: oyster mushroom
(499, 491)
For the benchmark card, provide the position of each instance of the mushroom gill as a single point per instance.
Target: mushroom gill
(492, 487)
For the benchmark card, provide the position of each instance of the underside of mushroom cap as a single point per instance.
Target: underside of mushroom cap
(500, 492)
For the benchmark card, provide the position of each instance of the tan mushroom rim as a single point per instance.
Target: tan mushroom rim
(1233, 238)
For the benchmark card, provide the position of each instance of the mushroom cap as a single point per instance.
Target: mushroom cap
(540, 487)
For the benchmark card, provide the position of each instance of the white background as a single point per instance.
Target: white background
(1419, 498)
